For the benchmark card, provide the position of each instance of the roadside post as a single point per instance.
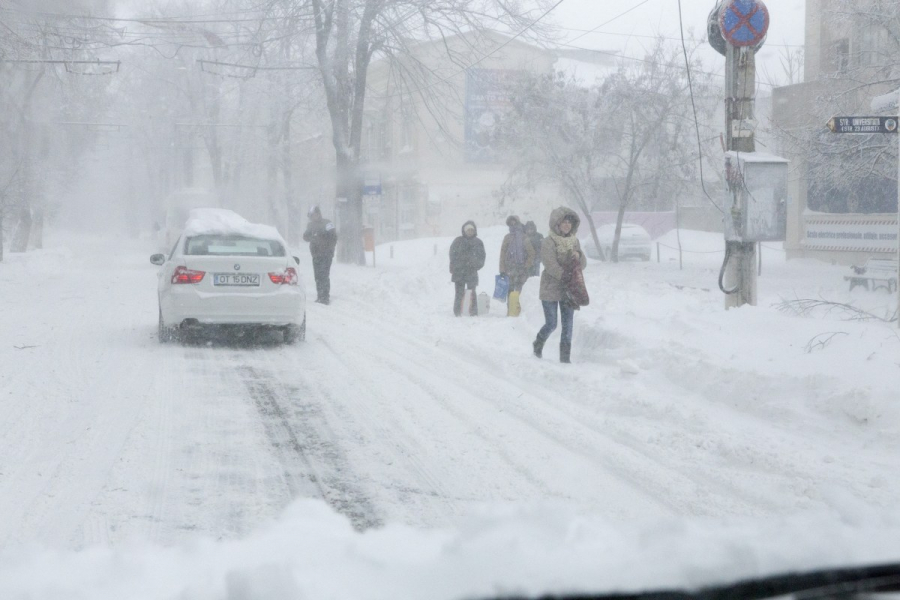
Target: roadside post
(369, 242)
(371, 191)
(868, 125)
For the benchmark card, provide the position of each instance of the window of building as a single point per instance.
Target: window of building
(871, 45)
(840, 55)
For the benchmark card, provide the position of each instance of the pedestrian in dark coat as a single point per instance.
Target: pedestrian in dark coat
(322, 238)
(559, 249)
(516, 260)
(466, 259)
(537, 240)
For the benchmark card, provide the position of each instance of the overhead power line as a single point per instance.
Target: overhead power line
(447, 79)
(652, 37)
(635, 7)
(68, 63)
(687, 66)
(160, 20)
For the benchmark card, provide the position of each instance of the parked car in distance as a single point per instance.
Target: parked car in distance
(225, 272)
(633, 243)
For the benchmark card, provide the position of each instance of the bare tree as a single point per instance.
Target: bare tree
(40, 56)
(627, 138)
(350, 34)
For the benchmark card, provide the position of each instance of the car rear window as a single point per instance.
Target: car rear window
(231, 245)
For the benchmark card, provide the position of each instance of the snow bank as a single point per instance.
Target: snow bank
(886, 102)
(202, 221)
(312, 552)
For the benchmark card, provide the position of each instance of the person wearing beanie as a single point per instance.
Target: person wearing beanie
(322, 238)
(536, 240)
(516, 260)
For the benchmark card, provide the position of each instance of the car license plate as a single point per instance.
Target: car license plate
(240, 279)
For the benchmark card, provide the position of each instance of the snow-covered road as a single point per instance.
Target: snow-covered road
(395, 412)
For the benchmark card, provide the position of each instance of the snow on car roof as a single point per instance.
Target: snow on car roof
(204, 221)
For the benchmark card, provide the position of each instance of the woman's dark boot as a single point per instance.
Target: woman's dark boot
(538, 345)
(565, 352)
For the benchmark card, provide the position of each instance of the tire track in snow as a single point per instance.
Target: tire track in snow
(683, 491)
(321, 464)
(373, 412)
(532, 453)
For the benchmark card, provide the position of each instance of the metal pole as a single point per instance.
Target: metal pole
(759, 251)
(740, 85)
(898, 219)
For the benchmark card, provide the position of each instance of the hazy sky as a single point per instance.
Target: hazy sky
(661, 17)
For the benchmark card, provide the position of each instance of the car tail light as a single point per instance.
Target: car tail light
(287, 277)
(185, 275)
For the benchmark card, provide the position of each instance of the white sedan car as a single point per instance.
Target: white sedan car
(225, 272)
(633, 242)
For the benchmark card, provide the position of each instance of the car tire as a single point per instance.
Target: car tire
(166, 334)
(295, 333)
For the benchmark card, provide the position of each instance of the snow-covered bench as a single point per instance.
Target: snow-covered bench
(882, 272)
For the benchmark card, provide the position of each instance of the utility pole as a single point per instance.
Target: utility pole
(737, 29)
(740, 78)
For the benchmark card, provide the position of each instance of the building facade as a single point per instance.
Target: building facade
(843, 198)
(430, 151)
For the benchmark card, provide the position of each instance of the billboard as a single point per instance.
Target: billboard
(849, 232)
(487, 101)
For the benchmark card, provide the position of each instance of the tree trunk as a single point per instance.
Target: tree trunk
(620, 217)
(349, 209)
(287, 165)
(272, 171)
(23, 231)
(37, 229)
(22, 234)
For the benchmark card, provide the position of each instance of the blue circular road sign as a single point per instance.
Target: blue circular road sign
(744, 22)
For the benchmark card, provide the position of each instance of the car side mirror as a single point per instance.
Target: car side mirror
(158, 259)
(297, 259)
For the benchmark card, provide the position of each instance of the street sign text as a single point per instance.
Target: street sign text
(863, 125)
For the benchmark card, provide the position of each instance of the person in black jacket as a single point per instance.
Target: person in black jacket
(537, 240)
(322, 238)
(466, 259)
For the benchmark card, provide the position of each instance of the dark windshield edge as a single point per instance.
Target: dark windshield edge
(813, 585)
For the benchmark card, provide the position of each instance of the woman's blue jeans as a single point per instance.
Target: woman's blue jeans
(568, 317)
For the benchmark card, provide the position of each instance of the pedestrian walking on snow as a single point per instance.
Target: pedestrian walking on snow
(562, 284)
(516, 260)
(322, 238)
(466, 259)
(536, 240)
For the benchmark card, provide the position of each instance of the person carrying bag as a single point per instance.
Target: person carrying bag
(562, 281)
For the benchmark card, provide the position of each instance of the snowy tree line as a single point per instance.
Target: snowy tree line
(271, 96)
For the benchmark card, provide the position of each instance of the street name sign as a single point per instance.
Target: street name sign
(863, 125)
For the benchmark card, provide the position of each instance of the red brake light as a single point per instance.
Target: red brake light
(287, 277)
(185, 275)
